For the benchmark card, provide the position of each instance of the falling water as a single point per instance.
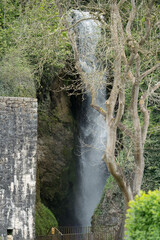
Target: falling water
(92, 172)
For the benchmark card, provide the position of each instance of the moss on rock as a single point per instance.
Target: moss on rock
(56, 162)
(110, 209)
(44, 220)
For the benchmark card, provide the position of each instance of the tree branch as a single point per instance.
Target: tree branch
(72, 26)
(111, 101)
(154, 88)
(120, 107)
(121, 2)
(78, 21)
(118, 175)
(145, 113)
(131, 19)
(143, 75)
(135, 91)
(127, 68)
(94, 104)
(144, 110)
(148, 24)
(126, 130)
(99, 109)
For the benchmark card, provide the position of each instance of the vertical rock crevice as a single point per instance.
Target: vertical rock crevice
(56, 161)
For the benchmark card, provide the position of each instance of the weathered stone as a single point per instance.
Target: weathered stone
(56, 163)
(18, 143)
(109, 212)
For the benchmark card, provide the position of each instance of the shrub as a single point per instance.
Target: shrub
(143, 217)
(16, 75)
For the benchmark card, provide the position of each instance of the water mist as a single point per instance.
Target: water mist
(92, 171)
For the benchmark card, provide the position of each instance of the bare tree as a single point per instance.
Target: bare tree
(132, 48)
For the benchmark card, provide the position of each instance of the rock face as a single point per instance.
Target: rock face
(55, 153)
(109, 212)
(18, 145)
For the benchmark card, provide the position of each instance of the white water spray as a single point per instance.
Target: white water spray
(92, 172)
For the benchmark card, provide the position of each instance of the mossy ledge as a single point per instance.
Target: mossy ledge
(44, 220)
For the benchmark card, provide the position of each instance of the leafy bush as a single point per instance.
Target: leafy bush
(16, 75)
(143, 217)
(44, 220)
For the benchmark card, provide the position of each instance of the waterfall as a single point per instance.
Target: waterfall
(92, 171)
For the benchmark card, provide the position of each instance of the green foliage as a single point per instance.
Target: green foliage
(38, 33)
(47, 120)
(151, 179)
(108, 186)
(143, 217)
(16, 76)
(110, 190)
(44, 220)
(9, 11)
(34, 29)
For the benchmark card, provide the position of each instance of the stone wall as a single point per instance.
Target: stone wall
(18, 142)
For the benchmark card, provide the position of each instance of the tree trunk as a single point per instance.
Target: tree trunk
(120, 233)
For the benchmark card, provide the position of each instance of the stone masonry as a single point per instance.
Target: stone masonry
(18, 143)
